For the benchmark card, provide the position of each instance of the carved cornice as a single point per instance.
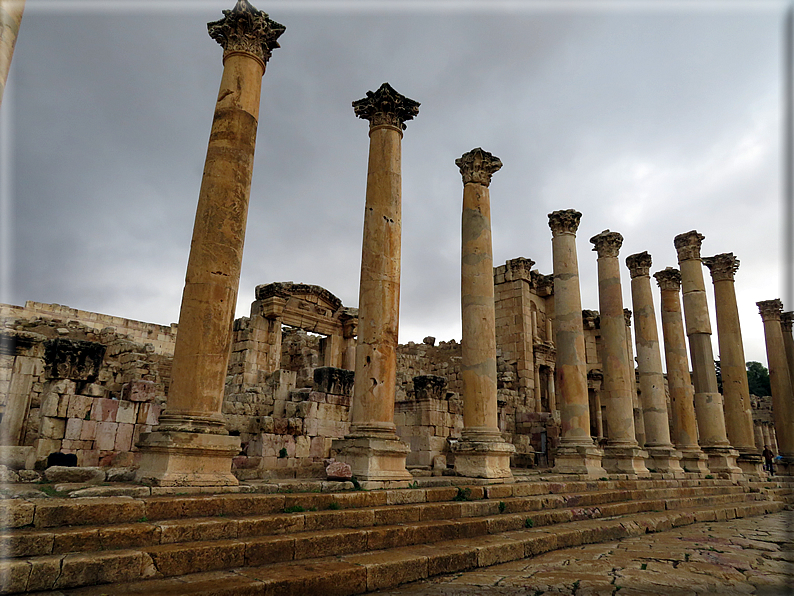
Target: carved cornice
(518, 268)
(386, 107)
(477, 166)
(668, 279)
(287, 289)
(639, 264)
(591, 319)
(564, 222)
(787, 321)
(770, 310)
(627, 316)
(543, 283)
(722, 266)
(246, 29)
(688, 245)
(607, 244)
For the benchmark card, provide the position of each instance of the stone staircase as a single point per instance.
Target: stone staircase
(339, 543)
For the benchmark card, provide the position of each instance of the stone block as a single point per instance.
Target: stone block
(54, 405)
(87, 430)
(79, 406)
(52, 428)
(73, 429)
(16, 513)
(124, 437)
(330, 543)
(104, 410)
(106, 436)
(139, 391)
(126, 412)
(67, 474)
(18, 458)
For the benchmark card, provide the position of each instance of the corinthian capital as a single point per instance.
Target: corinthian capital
(787, 321)
(722, 266)
(639, 264)
(564, 222)
(386, 107)
(477, 166)
(668, 279)
(246, 29)
(688, 245)
(607, 244)
(770, 310)
(627, 316)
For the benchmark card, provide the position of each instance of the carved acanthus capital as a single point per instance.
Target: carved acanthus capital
(627, 316)
(246, 29)
(639, 264)
(607, 244)
(787, 321)
(564, 222)
(478, 166)
(722, 267)
(386, 107)
(668, 279)
(770, 310)
(688, 245)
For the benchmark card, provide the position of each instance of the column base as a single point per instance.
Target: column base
(694, 461)
(172, 458)
(665, 460)
(751, 464)
(579, 459)
(373, 458)
(625, 460)
(483, 459)
(722, 461)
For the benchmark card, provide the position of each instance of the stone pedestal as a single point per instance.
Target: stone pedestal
(735, 389)
(481, 452)
(201, 354)
(576, 453)
(372, 448)
(622, 454)
(779, 379)
(663, 457)
(678, 380)
(708, 400)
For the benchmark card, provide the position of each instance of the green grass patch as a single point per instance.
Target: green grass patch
(502, 506)
(464, 494)
(294, 509)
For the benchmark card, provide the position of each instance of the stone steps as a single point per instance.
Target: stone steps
(199, 538)
(347, 574)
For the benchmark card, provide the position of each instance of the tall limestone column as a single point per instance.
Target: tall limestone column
(735, 389)
(663, 457)
(372, 447)
(191, 445)
(576, 453)
(622, 454)
(481, 452)
(639, 422)
(780, 380)
(679, 383)
(786, 322)
(708, 399)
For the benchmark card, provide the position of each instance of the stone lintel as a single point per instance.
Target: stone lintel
(607, 244)
(639, 264)
(373, 458)
(565, 221)
(668, 279)
(246, 29)
(386, 107)
(477, 166)
(688, 245)
(187, 459)
(722, 267)
(770, 310)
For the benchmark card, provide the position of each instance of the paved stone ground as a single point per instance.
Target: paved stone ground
(742, 556)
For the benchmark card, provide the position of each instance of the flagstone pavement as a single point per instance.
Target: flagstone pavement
(741, 556)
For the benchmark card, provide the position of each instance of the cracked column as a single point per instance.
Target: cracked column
(708, 399)
(622, 454)
(481, 452)
(679, 383)
(779, 379)
(372, 448)
(735, 389)
(191, 445)
(576, 453)
(663, 457)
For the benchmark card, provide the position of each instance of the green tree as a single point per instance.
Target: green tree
(758, 379)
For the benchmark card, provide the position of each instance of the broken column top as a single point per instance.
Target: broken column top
(668, 279)
(627, 316)
(639, 264)
(787, 321)
(565, 221)
(770, 310)
(386, 107)
(722, 266)
(607, 244)
(688, 245)
(477, 166)
(246, 29)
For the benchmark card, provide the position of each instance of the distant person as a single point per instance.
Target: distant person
(768, 457)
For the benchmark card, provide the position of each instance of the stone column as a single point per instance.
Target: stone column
(481, 452)
(663, 457)
(758, 433)
(576, 454)
(779, 379)
(786, 321)
(708, 399)
(766, 437)
(372, 448)
(679, 384)
(538, 404)
(10, 19)
(622, 454)
(190, 445)
(639, 422)
(735, 389)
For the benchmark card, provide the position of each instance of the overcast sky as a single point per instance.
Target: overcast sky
(651, 118)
